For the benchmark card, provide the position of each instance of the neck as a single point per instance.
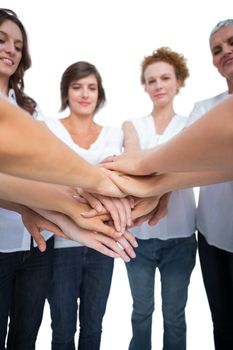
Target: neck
(4, 86)
(83, 123)
(163, 112)
(230, 86)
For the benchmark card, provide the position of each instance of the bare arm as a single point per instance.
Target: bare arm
(157, 185)
(59, 198)
(131, 139)
(206, 145)
(28, 149)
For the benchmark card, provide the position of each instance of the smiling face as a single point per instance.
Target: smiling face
(221, 45)
(11, 44)
(161, 83)
(83, 95)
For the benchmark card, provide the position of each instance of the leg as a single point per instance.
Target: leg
(176, 265)
(217, 271)
(29, 292)
(63, 295)
(141, 274)
(8, 265)
(95, 289)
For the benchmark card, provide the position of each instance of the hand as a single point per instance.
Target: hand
(98, 223)
(138, 186)
(143, 208)
(35, 223)
(161, 210)
(132, 163)
(122, 247)
(119, 209)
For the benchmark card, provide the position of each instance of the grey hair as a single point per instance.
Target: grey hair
(221, 24)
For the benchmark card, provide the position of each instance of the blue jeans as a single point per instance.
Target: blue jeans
(217, 271)
(79, 273)
(24, 282)
(175, 259)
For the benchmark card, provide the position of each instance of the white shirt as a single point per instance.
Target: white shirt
(109, 141)
(180, 220)
(215, 206)
(13, 234)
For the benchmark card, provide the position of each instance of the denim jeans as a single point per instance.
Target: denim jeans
(217, 272)
(175, 259)
(79, 273)
(24, 282)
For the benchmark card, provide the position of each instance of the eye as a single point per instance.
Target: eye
(216, 50)
(151, 81)
(166, 77)
(18, 48)
(231, 42)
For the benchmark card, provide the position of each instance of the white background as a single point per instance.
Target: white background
(115, 36)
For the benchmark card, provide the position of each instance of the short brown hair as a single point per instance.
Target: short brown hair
(77, 71)
(165, 54)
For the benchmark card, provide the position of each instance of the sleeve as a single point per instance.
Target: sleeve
(195, 114)
(38, 115)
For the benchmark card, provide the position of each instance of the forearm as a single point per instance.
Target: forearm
(16, 207)
(32, 194)
(174, 181)
(40, 155)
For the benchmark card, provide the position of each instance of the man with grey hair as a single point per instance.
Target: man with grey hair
(215, 208)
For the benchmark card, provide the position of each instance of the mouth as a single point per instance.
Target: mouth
(84, 104)
(7, 61)
(227, 62)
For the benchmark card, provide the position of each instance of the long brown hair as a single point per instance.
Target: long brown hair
(16, 81)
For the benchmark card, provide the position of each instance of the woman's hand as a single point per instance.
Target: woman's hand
(35, 223)
(121, 247)
(119, 209)
(157, 214)
(132, 163)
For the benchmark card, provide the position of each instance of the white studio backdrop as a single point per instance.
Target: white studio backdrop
(115, 36)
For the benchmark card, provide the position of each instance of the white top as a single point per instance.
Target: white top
(180, 220)
(13, 234)
(215, 207)
(109, 141)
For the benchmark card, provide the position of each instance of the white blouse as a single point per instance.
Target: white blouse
(109, 141)
(215, 205)
(180, 220)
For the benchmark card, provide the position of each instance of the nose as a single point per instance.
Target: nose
(158, 85)
(9, 47)
(85, 92)
(226, 49)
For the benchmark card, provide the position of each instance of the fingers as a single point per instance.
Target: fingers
(93, 201)
(128, 205)
(40, 241)
(49, 226)
(115, 247)
(92, 213)
(157, 216)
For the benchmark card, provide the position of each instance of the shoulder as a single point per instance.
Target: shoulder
(212, 101)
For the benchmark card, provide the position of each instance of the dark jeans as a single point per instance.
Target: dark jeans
(24, 282)
(217, 271)
(79, 273)
(175, 259)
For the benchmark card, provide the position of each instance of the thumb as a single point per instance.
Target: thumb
(40, 241)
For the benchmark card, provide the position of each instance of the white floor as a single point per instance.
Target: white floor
(117, 329)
